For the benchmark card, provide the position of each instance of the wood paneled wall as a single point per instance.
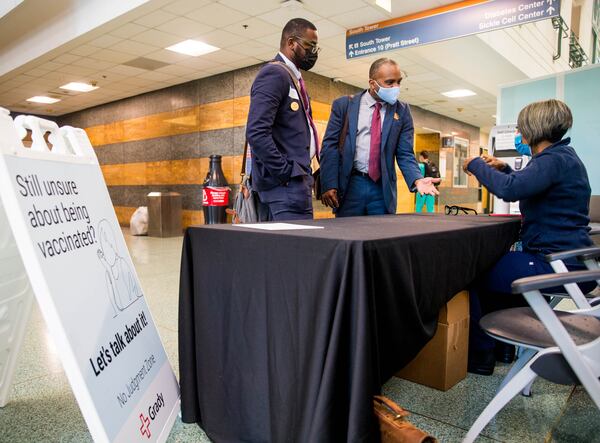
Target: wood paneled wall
(190, 171)
(161, 141)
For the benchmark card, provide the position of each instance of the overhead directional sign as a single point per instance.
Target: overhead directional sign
(448, 22)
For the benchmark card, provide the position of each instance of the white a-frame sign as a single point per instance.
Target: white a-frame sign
(85, 283)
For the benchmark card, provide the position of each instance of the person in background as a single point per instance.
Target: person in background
(426, 166)
(553, 193)
(360, 178)
(280, 129)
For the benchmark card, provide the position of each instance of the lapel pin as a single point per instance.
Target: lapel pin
(396, 116)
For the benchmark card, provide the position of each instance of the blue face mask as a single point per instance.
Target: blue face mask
(388, 95)
(521, 147)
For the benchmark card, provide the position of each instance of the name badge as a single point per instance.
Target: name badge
(293, 93)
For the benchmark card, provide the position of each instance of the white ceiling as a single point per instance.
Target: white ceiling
(100, 55)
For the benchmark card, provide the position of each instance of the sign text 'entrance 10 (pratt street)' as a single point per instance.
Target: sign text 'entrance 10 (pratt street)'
(445, 23)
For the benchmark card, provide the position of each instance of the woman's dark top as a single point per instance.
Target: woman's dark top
(553, 193)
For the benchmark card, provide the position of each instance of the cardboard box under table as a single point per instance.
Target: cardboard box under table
(443, 361)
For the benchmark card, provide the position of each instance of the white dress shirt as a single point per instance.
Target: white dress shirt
(363, 134)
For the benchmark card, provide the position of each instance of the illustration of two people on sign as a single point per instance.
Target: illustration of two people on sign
(121, 282)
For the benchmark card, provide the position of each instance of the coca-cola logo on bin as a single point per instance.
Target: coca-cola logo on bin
(215, 196)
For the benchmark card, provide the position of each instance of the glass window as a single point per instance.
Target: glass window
(461, 151)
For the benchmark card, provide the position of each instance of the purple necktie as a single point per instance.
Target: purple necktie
(307, 112)
(375, 151)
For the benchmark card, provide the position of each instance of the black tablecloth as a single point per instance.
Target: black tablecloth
(284, 336)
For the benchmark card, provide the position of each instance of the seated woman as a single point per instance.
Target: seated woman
(553, 193)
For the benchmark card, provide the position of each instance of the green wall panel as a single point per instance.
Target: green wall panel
(515, 98)
(582, 94)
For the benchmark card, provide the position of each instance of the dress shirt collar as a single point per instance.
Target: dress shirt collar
(291, 65)
(370, 101)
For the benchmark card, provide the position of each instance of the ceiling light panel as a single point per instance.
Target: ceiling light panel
(384, 4)
(458, 93)
(194, 48)
(79, 87)
(43, 99)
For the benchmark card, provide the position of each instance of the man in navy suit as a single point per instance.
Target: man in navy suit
(360, 178)
(280, 129)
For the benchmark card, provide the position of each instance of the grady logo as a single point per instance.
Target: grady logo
(153, 410)
(145, 428)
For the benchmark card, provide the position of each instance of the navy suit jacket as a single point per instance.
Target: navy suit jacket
(277, 130)
(397, 140)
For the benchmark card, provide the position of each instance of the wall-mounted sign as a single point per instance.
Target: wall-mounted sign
(447, 142)
(445, 23)
(502, 138)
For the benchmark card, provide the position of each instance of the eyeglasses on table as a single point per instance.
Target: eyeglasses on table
(455, 210)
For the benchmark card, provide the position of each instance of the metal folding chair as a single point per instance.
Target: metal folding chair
(566, 345)
(589, 257)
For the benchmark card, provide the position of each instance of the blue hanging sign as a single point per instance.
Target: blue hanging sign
(452, 21)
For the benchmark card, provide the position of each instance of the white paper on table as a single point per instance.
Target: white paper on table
(278, 226)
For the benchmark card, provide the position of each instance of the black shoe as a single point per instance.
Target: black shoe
(504, 352)
(481, 362)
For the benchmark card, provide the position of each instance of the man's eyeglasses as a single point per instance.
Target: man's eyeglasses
(312, 46)
(454, 210)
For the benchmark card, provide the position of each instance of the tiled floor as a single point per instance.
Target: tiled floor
(42, 407)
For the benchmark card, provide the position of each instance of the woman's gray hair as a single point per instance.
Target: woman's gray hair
(547, 120)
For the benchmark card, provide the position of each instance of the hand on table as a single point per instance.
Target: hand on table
(330, 198)
(427, 185)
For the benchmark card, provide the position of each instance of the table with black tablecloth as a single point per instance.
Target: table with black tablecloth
(284, 336)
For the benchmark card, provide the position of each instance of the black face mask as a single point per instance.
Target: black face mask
(307, 62)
